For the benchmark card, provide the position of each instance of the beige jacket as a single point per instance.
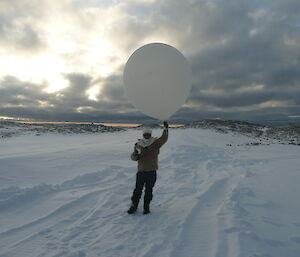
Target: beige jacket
(148, 158)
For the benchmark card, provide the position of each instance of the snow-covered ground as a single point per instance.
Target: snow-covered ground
(67, 195)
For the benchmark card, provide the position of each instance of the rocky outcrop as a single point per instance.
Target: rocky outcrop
(285, 134)
(9, 128)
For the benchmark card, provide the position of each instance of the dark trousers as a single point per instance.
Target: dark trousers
(147, 179)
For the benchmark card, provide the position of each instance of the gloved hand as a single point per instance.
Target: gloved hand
(166, 125)
(137, 147)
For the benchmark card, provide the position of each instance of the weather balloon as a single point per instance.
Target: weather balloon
(157, 80)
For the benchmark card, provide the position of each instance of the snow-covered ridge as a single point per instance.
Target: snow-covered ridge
(260, 134)
(10, 128)
(285, 134)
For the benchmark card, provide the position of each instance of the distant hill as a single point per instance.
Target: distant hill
(288, 133)
(285, 134)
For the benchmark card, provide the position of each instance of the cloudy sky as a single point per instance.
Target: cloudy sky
(64, 59)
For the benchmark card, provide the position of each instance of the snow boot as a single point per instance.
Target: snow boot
(132, 208)
(146, 209)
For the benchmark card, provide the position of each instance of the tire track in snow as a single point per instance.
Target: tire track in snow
(62, 230)
(200, 234)
(32, 229)
(38, 232)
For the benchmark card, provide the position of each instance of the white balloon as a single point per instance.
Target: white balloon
(157, 80)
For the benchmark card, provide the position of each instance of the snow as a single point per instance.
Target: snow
(67, 195)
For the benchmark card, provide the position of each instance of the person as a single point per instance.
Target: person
(146, 152)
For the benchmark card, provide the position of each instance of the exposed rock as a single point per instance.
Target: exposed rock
(285, 134)
(259, 134)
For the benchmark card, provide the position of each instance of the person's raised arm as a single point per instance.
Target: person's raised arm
(164, 137)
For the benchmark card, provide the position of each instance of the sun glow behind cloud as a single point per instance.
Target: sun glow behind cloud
(71, 44)
(93, 93)
(100, 54)
(79, 38)
(43, 69)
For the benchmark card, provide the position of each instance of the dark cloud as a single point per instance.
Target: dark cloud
(242, 99)
(244, 55)
(18, 25)
(113, 89)
(45, 114)
(112, 98)
(28, 100)
(263, 51)
(271, 115)
(15, 92)
(132, 32)
(74, 95)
